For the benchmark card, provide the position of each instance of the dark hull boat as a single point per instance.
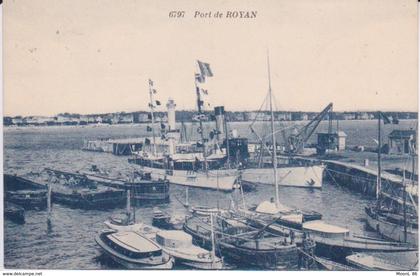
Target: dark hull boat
(89, 199)
(76, 191)
(24, 192)
(14, 212)
(241, 245)
(165, 221)
(143, 188)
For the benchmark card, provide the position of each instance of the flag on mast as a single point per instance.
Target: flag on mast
(205, 69)
(199, 78)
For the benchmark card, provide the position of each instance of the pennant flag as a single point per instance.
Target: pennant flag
(205, 69)
(199, 78)
(150, 82)
(384, 118)
(149, 128)
(157, 102)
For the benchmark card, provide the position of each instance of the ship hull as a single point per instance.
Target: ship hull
(302, 176)
(215, 179)
(391, 231)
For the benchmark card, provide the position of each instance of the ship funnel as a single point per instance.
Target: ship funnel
(171, 114)
(219, 112)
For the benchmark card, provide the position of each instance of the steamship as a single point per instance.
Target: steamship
(200, 164)
(213, 161)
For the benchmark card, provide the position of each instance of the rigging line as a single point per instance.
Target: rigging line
(261, 106)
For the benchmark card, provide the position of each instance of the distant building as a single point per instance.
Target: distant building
(126, 118)
(299, 116)
(284, 116)
(37, 120)
(17, 121)
(362, 116)
(402, 141)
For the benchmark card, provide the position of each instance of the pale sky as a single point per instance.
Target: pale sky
(96, 56)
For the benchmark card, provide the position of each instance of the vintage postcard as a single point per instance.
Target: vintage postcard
(210, 135)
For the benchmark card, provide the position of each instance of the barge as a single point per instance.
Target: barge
(24, 192)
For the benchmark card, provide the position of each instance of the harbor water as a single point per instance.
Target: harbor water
(69, 242)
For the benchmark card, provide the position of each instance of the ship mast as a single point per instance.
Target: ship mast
(404, 206)
(199, 105)
(152, 106)
(379, 178)
(273, 135)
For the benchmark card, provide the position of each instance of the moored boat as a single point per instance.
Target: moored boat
(143, 188)
(165, 221)
(179, 245)
(368, 262)
(133, 250)
(389, 225)
(242, 244)
(337, 242)
(25, 192)
(175, 243)
(14, 212)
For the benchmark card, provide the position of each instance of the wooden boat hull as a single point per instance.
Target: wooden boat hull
(279, 258)
(390, 230)
(109, 200)
(14, 213)
(28, 201)
(340, 249)
(24, 192)
(144, 190)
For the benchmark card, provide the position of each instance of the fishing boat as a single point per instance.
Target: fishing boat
(199, 164)
(133, 250)
(14, 212)
(242, 244)
(391, 216)
(165, 221)
(338, 242)
(369, 262)
(24, 192)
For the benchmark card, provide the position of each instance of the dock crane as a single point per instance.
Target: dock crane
(296, 142)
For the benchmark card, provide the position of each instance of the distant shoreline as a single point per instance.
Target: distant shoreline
(11, 127)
